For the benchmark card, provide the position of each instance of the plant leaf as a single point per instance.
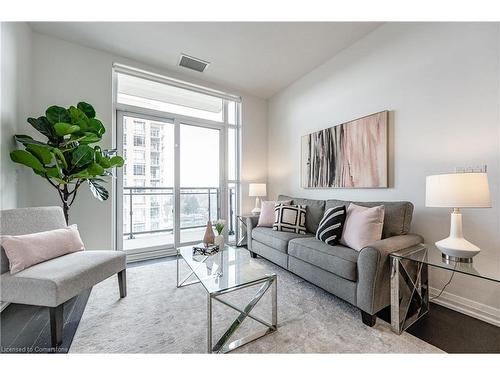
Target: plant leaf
(87, 109)
(95, 126)
(60, 156)
(63, 128)
(84, 175)
(42, 153)
(102, 160)
(116, 161)
(57, 114)
(53, 172)
(27, 159)
(76, 115)
(95, 169)
(89, 138)
(27, 140)
(98, 190)
(42, 125)
(82, 155)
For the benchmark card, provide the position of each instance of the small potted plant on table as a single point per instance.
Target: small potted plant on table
(219, 228)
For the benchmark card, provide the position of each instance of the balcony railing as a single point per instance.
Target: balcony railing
(195, 213)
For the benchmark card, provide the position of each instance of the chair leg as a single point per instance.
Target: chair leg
(253, 255)
(122, 282)
(56, 325)
(368, 319)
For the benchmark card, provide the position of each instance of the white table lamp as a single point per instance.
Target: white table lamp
(457, 190)
(257, 190)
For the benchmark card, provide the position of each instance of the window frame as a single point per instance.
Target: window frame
(121, 110)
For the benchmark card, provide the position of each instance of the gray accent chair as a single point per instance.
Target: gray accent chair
(361, 278)
(55, 281)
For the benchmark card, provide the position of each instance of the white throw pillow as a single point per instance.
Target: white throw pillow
(363, 226)
(266, 217)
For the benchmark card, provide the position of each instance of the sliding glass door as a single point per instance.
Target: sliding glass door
(200, 179)
(146, 184)
(168, 189)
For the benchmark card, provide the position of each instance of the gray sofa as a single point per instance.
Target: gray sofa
(55, 281)
(359, 277)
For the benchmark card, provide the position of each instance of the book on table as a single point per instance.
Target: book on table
(206, 249)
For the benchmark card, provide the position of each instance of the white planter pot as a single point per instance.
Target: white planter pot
(219, 240)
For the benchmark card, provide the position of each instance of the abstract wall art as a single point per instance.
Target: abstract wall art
(349, 155)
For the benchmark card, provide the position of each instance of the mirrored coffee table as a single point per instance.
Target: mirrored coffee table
(229, 270)
(410, 284)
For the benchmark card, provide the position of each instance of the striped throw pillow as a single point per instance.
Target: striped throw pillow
(330, 227)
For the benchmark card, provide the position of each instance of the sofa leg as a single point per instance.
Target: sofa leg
(56, 325)
(253, 255)
(122, 283)
(368, 319)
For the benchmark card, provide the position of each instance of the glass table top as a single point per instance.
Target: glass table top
(229, 268)
(429, 254)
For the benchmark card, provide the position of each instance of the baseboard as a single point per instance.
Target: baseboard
(466, 306)
(152, 254)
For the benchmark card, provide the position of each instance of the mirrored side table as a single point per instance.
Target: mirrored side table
(410, 284)
(242, 233)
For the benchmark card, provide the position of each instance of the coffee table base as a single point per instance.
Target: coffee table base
(223, 345)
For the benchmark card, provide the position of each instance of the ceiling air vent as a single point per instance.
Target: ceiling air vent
(193, 63)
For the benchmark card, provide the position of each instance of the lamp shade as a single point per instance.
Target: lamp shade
(257, 190)
(457, 190)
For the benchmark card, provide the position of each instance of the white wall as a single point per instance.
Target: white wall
(441, 84)
(254, 147)
(66, 73)
(15, 93)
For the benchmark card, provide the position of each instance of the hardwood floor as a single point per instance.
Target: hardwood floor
(26, 328)
(454, 332)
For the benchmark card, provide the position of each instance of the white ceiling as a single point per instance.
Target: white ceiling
(258, 58)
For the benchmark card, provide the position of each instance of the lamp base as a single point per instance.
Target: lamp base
(256, 211)
(457, 249)
(450, 260)
(456, 246)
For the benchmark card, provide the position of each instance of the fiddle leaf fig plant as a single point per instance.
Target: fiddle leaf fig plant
(70, 155)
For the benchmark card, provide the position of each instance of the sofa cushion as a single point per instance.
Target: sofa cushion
(275, 239)
(339, 260)
(397, 219)
(315, 210)
(55, 281)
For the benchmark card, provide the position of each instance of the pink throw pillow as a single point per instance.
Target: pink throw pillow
(266, 217)
(363, 226)
(29, 249)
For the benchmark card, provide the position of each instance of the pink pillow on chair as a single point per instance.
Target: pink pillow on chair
(363, 226)
(266, 218)
(29, 249)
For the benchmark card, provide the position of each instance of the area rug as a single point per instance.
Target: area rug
(158, 317)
